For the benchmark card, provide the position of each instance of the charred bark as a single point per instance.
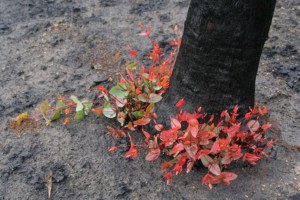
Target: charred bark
(218, 60)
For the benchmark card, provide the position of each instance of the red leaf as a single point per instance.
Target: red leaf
(138, 91)
(180, 103)
(132, 53)
(270, 143)
(235, 109)
(193, 125)
(266, 126)
(141, 25)
(262, 111)
(158, 127)
(112, 149)
(165, 82)
(248, 115)
(111, 130)
(146, 34)
(189, 166)
(214, 169)
(223, 113)
(98, 111)
(219, 145)
(211, 118)
(227, 177)
(177, 168)
(254, 111)
(175, 43)
(146, 134)
(233, 152)
(154, 115)
(204, 136)
(142, 122)
(153, 155)
(206, 160)
(253, 125)
(233, 130)
(191, 150)
(130, 126)
(168, 176)
(165, 166)
(177, 149)
(175, 124)
(102, 89)
(168, 137)
(132, 151)
(209, 180)
(66, 121)
(202, 152)
(251, 158)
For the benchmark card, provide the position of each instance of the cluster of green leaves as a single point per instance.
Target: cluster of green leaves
(133, 97)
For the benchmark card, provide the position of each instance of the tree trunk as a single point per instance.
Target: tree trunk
(218, 60)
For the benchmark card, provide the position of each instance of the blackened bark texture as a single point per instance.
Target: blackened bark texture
(218, 60)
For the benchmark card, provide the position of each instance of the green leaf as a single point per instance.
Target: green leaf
(75, 99)
(146, 83)
(44, 107)
(79, 106)
(143, 97)
(131, 66)
(138, 114)
(79, 115)
(106, 97)
(119, 91)
(157, 88)
(108, 110)
(87, 106)
(154, 98)
(145, 75)
(59, 106)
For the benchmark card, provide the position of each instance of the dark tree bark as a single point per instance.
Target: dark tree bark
(218, 60)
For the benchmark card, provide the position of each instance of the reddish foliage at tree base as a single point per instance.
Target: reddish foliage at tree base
(191, 138)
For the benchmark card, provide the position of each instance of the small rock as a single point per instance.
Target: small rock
(59, 176)
(37, 181)
(122, 191)
(58, 173)
(20, 73)
(3, 27)
(4, 176)
(87, 165)
(26, 153)
(76, 10)
(164, 18)
(44, 68)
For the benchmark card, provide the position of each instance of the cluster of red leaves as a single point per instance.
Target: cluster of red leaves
(132, 102)
(215, 145)
(134, 96)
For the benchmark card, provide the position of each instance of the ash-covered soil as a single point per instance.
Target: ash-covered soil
(61, 47)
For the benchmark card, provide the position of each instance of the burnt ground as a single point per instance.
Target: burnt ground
(61, 47)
